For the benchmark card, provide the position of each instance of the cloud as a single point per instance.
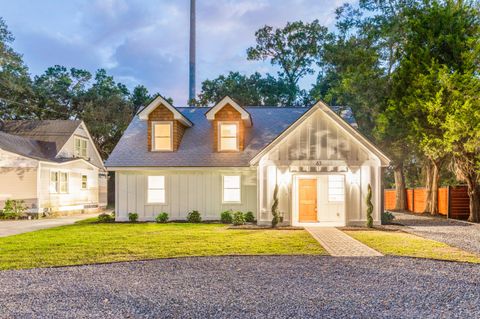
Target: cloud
(146, 42)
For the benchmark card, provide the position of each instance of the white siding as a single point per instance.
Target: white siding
(67, 150)
(76, 198)
(18, 179)
(185, 190)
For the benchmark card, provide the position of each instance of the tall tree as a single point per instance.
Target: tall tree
(56, 92)
(106, 110)
(438, 34)
(247, 90)
(455, 109)
(15, 83)
(139, 97)
(294, 48)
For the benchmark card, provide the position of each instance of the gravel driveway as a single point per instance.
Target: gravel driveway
(240, 287)
(452, 232)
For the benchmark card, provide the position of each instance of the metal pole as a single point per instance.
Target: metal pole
(191, 90)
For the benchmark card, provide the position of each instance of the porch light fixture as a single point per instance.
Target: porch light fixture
(354, 177)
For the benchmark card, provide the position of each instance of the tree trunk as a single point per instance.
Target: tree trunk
(431, 186)
(400, 192)
(474, 195)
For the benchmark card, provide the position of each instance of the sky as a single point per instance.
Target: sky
(146, 41)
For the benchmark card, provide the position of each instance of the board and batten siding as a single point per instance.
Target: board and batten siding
(185, 190)
(320, 146)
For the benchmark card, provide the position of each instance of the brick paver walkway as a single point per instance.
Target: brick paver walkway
(339, 244)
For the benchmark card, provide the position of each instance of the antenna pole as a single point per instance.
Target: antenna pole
(191, 81)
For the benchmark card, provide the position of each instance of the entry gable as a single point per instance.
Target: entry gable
(320, 134)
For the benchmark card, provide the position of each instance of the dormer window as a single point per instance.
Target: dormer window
(80, 147)
(228, 136)
(162, 136)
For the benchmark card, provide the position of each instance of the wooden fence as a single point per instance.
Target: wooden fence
(453, 202)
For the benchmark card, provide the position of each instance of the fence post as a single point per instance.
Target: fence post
(448, 201)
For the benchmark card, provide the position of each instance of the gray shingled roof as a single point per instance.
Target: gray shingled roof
(36, 139)
(196, 148)
(54, 133)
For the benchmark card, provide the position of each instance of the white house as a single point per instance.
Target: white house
(53, 166)
(176, 160)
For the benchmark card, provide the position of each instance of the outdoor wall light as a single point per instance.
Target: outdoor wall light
(354, 177)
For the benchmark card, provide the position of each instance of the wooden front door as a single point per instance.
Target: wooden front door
(307, 200)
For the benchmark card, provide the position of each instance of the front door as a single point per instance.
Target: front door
(307, 200)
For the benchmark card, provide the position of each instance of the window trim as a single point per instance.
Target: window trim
(152, 137)
(164, 190)
(343, 188)
(57, 180)
(81, 182)
(58, 187)
(219, 141)
(80, 138)
(239, 188)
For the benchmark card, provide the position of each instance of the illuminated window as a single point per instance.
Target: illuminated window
(228, 137)
(336, 190)
(231, 189)
(162, 136)
(84, 181)
(80, 147)
(156, 189)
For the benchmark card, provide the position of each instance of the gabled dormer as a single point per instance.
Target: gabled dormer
(165, 125)
(229, 121)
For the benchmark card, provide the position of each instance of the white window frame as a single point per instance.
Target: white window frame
(86, 181)
(341, 178)
(239, 189)
(58, 182)
(78, 153)
(237, 137)
(54, 189)
(152, 188)
(154, 148)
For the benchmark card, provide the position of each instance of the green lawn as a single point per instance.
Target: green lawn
(403, 244)
(87, 242)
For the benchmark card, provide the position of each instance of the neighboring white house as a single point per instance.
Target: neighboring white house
(53, 166)
(176, 160)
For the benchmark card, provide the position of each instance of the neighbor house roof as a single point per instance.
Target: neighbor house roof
(53, 133)
(37, 139)
(196, 149)
(24, 146)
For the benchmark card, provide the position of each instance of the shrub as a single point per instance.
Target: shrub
(275, 212)
(13, 209)
(226, 217)
(132, 217)
(387, 217)
(194, 217)
(369, 207)
(162, 218)
(238, 219)
(105, 218)
(249, 217)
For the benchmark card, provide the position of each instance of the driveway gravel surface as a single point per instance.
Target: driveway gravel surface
(453, 232)
(246, 287)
